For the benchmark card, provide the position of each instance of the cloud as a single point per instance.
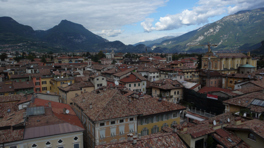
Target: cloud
(95, 15)
(110, 33)
(200, 14)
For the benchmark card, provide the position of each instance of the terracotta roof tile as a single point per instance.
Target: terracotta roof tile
(256, 126)
(159, 140)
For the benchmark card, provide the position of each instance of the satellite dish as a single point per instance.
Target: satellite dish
(228, 120)
(67, 111)
(245, 114)
(214, 122)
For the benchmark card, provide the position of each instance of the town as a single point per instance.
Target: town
(122, 100)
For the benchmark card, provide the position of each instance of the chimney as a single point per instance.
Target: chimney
(134, 140)
(129, 137)
(91, 105)
(49, 104)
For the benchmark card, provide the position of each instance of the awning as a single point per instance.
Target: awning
(194, 117)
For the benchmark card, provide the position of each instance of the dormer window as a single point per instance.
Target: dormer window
(60, 141)
(34, 145)
(48, 143)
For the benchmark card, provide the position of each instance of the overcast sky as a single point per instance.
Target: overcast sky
(129, 21)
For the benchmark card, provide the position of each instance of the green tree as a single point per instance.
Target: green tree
(30, 57)
(43, 59)
(114, 61)
(3, 56)
(101, 55)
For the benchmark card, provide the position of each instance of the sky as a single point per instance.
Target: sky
(129, 21)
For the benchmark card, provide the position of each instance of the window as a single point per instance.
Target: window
(135, 85)
(138, 84)
(75, 138)
(44, 82)
(37, 78)
(174, 115)
(99, 85)
(143, 83)
(113, 131)
(121, 121)
(129, 85)
(48, 143)
(131, 119)
(102, 78)
(13, 146)
(121, 129)
(144, 132)
(131, 128)
(97, 79)
(251, 136)
(60, 141)
(37, 83)
(178, 92)
(102, 133)
(174, 92)
(102, 124)
(231, 82)
(112, 122)
(37, 89)
(44, 88)
(155, 129)
(34, 145)
(76, 145)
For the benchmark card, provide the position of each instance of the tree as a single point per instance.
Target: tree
(3, 56)
(101, 55)
(43, 59)
(114, 61)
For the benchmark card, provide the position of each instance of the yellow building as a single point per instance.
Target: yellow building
(46, 84)
(226, 62)
(230, 80)
(57, 82)
(172, 90)
(109, 116)
(68, 92)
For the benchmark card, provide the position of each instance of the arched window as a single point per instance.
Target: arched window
(145, 131)
(34, 145)
(155, 129)
(173, 123)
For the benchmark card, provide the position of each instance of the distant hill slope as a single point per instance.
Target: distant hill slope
(66, 36)
(156, 41)
(71, 35)
(259, 50)
(240, 31)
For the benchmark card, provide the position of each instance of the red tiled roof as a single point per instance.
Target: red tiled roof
(159, 140)
(110, 103)
(57, 109)
(254, 125)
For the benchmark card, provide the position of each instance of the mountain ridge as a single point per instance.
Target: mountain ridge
(236, 32)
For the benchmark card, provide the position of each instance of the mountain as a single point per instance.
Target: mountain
(11, 31)
(242, 31)
(71, 35)
(66, 36)
(260, 49)
(156, 41)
